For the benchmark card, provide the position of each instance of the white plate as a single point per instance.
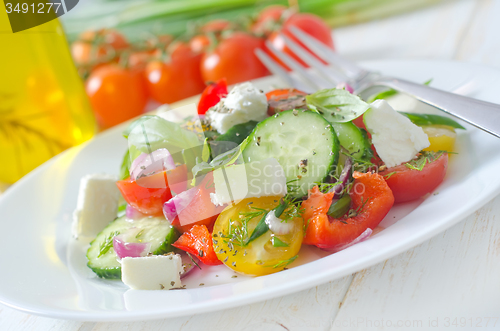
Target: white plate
(44, 273)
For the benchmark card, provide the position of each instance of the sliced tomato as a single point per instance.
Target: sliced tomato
(201, 210)
(371, 198)
(410, 184)
(211, 95)
(285, 99)
(198, 241)
(147, 200)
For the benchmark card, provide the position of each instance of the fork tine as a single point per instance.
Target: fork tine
(332, 76)
(349, 68)
(277, 70)
(295, 66)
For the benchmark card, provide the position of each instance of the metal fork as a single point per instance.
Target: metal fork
(481, 114)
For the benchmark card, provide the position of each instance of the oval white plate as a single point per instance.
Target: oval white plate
(44, 272)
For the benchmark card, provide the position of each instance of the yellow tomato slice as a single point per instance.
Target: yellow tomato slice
(268, 253)
(441, 137)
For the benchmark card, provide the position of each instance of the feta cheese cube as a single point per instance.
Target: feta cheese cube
(244, 103)
(154, 272)
(394, 136)
(97, 204)
(250, 180)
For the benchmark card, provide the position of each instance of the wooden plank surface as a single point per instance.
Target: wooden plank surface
(453, 275)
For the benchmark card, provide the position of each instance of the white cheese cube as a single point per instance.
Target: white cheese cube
(244, 103)
(394, 136)
(154, 272)
(250, 180)
(97, 204)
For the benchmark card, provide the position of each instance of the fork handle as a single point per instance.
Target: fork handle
(482, 114)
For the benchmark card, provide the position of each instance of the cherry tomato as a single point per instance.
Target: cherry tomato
(441, 137)
(147, 200)
(199, 43)
(200, 210)
(269, 252)
(116, 94)
(211, 95)
(284, 99)
(177, 78)
(198, 242)
(410, 184)
(268, 19)
(139, 60)
(308, 23)
(234, 59)
(93, 46)
(371, 197)
(216, 26)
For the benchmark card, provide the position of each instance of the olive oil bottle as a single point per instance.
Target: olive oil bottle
(43, 106)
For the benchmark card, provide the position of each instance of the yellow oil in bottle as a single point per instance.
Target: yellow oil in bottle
(43, 106)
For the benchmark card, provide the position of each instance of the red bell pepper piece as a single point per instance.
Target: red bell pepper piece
(212, 95)
(198, 241)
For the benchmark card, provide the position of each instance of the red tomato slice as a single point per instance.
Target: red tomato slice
(212, 95)
(201, 210)
(147, 200)
(198, 241)
(328, 233)
(410, 184)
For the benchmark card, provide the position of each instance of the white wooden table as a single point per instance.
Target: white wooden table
(449, 282)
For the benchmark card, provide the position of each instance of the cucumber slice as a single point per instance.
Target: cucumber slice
(354, 139)
(304, 144)
(155, 230)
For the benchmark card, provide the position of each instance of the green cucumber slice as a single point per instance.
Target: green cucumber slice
(234, 136)
(354, 139)
(155, 230)
(304, 144)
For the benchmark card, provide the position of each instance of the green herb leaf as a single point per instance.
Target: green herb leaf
(389, 175)
(430, 119)
(340, 207)
(259, 230)
(284, 263)
(107, 244)
(424, 158)
(382, 95)
(277, 242)
(336, 105)
(124, 169)
(219, 161)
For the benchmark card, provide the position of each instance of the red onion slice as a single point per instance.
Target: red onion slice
(149, 164)
(177, 204)
(344, 178)
(277, 225)
(362, 237)
(123, 248)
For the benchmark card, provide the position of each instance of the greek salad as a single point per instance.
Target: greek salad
(251, 177)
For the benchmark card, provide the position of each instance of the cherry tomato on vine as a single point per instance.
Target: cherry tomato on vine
(268, 19)
(177, 78)
(116, 94)
(216, 26)
(94, 46)
(199, 43)
(211, 95)
(308, 23)
(234, 59)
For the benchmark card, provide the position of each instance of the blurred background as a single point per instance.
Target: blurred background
(107, 61)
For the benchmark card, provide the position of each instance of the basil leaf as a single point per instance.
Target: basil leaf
(336, 105)
(277, 242)
(219, 161)
(429, 119)
(151, 132)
